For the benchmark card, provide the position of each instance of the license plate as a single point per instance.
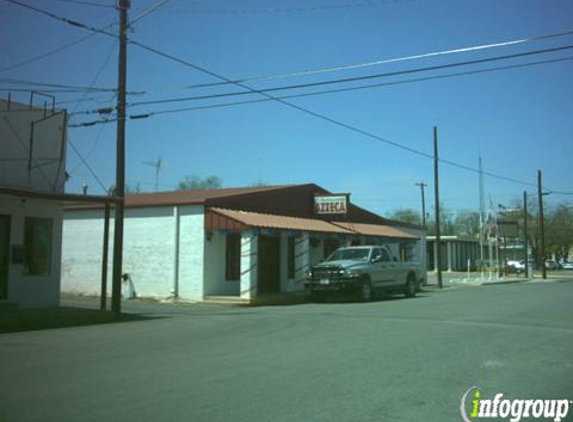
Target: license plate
(325, 281)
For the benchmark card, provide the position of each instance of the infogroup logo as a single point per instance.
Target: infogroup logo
(474, 407)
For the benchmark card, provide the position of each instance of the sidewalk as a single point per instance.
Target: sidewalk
(477, 279)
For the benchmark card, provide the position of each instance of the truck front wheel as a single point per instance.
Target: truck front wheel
(365, 293)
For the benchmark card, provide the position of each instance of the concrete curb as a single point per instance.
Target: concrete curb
(513, 281)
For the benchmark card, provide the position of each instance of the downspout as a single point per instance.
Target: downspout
(175, 288)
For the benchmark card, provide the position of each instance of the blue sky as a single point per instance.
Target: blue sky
(520, 120)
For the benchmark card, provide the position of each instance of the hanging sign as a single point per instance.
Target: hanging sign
(331, 204)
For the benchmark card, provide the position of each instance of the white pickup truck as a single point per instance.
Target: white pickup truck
(363, 271)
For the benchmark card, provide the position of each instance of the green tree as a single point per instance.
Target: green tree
(199, 183)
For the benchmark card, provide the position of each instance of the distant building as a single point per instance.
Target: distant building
(242, 243)
(456, 253)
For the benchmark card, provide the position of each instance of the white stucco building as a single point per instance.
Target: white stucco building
(243, 243)
(32, 199)
(32, 170)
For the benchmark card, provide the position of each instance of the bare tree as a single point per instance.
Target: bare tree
(199, 183)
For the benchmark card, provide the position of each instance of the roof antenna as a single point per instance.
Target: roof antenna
(158, 164)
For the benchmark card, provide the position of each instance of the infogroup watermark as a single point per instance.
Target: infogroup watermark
(474, 407)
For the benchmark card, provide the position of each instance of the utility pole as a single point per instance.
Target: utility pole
(422, 186)
(123, 6)
(481, 217)
(541, 224)
(437, 199)
(525, 241)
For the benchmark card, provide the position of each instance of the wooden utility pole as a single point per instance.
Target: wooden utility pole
(541, 224)
(123, 6)
(525, 242)
(437, 199)
(103, 295)
(422, 186)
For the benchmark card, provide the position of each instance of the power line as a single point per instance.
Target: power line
(94, 80)
(87, 165)
(96, 77)
(61, 18)
(92, 149)
(270, 97)
(304, 73)
(357, 78)
(331, 91)
(148, 12)
(47, 54)
(387, 61)
(324, 117)
(70, 88)
(86, 3)
(301, 9)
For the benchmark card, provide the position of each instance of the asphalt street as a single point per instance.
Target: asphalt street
(390, 360)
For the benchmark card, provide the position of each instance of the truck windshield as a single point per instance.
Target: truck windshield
(359, 254)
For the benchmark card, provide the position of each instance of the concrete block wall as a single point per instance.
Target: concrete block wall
(191, 252)
(150, 252)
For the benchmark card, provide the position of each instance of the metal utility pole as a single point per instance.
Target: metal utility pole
(123, 6)
(525, 242)
(437, 199)
(541, 224)
(422, 186)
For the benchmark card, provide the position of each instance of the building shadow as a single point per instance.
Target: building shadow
(20, 320)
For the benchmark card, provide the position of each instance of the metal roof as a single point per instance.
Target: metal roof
(270, 221)
(245, 219)
(186, 197)
(376, 230)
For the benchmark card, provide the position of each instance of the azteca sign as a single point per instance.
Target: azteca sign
(331, 204)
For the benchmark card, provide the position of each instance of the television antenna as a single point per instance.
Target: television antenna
(158, 165)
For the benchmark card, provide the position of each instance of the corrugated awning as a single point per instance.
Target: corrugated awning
(376, 230)
(218, 218)
(225, 219)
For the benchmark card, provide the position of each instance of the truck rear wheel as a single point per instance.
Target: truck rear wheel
(317, 297)
(410, 289)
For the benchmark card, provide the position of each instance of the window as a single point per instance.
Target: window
(233, 270)
(376, 254)
(37, 246)
(385, 256)
(290, 257)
